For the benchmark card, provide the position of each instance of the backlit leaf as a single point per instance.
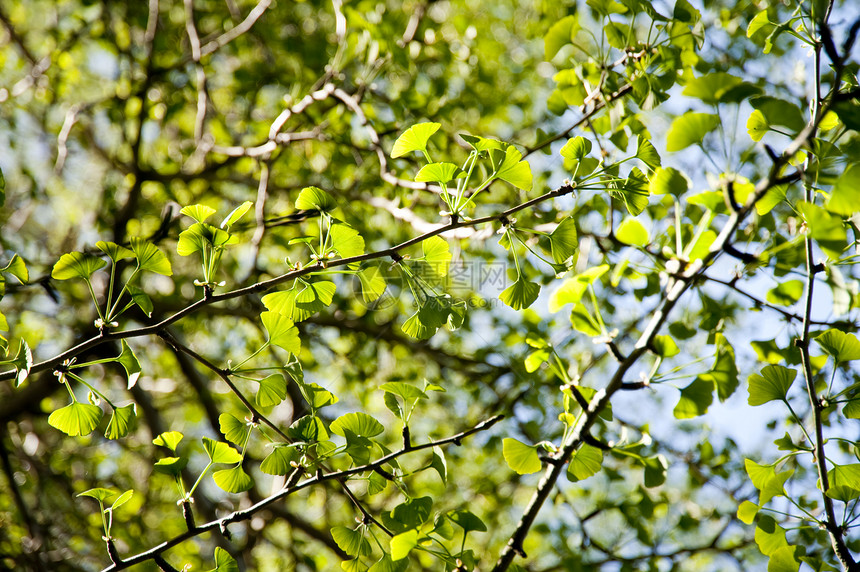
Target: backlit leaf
(234, 480)
(76, 265)
(76, 419)
(114, 251)
(514, 170)
(690, 129)
(314, 198)
(224, 562)
(351, 541)
(403, 543)
(647, 153)
(121, 421)
(360, 424)
(437, 254)
(695, 399)
(772, 385)
(346, 240)
(584, 462)
(129, 362)
(841, 346)
(521, 294)
(631, 231)
(149, 257)
(668, 180)
(282, 331)
(272, 390)
(198, 212)
(768, 482)
(169, 439)
(563, 241)
(233, 429)
(278, 461)
(220, 452)
(521, 458)
(786, 293)
(414, 139)
(438, 173)
(235, 215)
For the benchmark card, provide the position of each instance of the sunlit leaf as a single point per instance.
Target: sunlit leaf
(149, 257)
(521, 458)
(360, 424)
(220, 452)
(129, 362)
(114, 251)
(233, 429)
(656, 468)
(668, 180)
(346, 240)
(841, 346)
(141, 298)
(76, 265)
(584, 462)
(559, 35)
(631, 231)
(437, 254)
(278, 461)
(563, 241)
(845, 196)
(438, 173)
(757, 125)
(235, 215)
(521, 294)
(403, 543)
(121, 421)
(747, 511)
(414, 139)
(514, 170)
(272, 390)
(198, 212)
(786, 293)
(169, 439)
(234, 480)
(308, 429)
(122, 499)
(582, 321)
(765, 478)
(647, 153)
(467, 520)
(695, 399)
(282, 331)
(844, 481)
(576, 148)
(351, 541)
(690, 129)
(372, 283)
(76, 418)
(314, 198)
(482, 143)
(665, 346)
(99, 493)
(224, 562)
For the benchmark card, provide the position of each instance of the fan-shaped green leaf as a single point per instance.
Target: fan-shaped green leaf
(559, 35)
(514, 170)
(845, 196)
(99, 493)
(521, 458)
(360, 424)
(438, 173)
(414, 139)
(403, 543)
(713, 88)
(278, 461)
(437, 255)
(402, 389)
(563, 241)
(584, 462)
(121, 421)
(114, 251)
(22, 362)
(129, 362)
(170, 465)
(572, 289)
(76, 265)
(314, 198)
(521, 294)
(667, 180)
(655, 470)
(765, 478)
(285, 303)
(631, 231)
(665, 346)
(786, 293)
(76, 418)
(169, 439)
(198, 212)
(149, 257)
(690, 129)
(140, 298)
(467, 520)
(308, 429)
(351, 541)
(372, 283)
(315, 296)
(233, 428)
(826, 228)
(582, 321)
(844, 481)
(224, 562)
(646, 153)
(576, 148)
(272, 391)
(233, 480)
(318, 396)
(282, 331)
(840, 345)
(482, 143)
(235, 215)
(757, 125)
(747, 512)
(695, 399)
(346, 240)
(220, 452)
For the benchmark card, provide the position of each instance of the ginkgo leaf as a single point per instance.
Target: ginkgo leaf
(129, 362)
(285, 303)
(76, 418)
(403, 543)
(233, 428)
(351, 541)
(438, 173)
(278, 462)
(224, 562)
(318, 396)
(346, 240)
(514, 170)
(665, 346)
(372, 283)
(149, 257)
(315, 296)
(521, 294)
(690, 129)
(169, 439)
(234, 480)
(198, 212)
(563, 241)
(482, 143)
(584, 462)
(757, 125)
(402, 389)
(437, 255)
(414, 139)
(17, 268)
(220, 452)
(235, 215)
(646, 153)
(841, 346)
(170, 465)
(583, 321)
(845, 196)
(360, 424)
(314, 198)
(122, 499)
(695, 399)
(141, 298)
(308, 429)
(76, 265)
(668, 180)
(631, 231)
(785, 293)
(272, 391)
(765, 478)
(844, 482)
(572, 289)
(121, 421)
(99, 493)
(114, 251)
(576, 148)
(282, 331)
(467, 520)
(559, 35)
(521, 458)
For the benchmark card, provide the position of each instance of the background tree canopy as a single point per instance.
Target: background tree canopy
(429, 285)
